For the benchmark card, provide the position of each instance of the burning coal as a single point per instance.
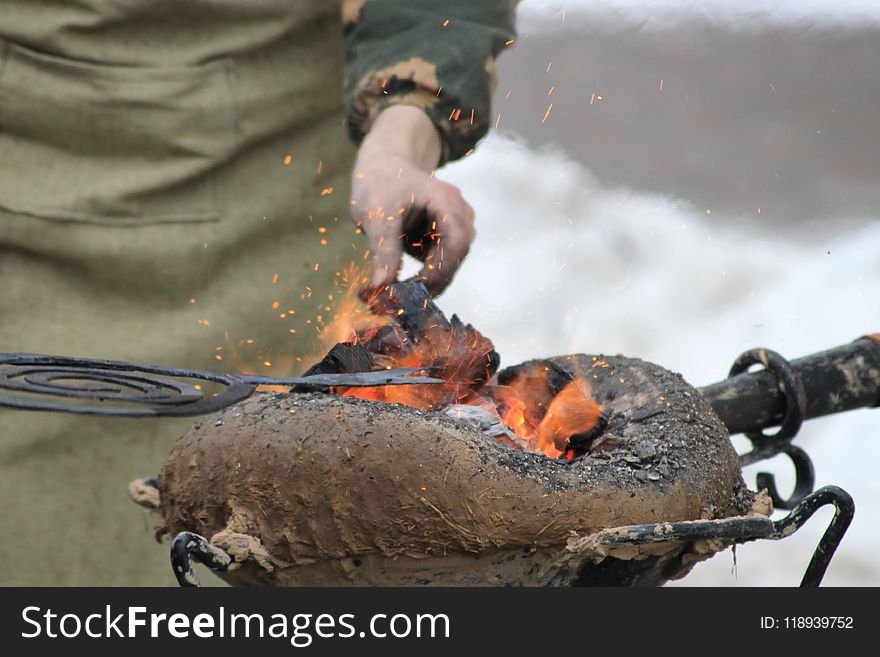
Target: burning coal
(543, 407)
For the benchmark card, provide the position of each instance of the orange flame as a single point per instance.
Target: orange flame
(351, 316)
(546, 421)
(572, 412)
(528, 405)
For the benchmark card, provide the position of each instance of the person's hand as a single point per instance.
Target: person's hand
(399, 205)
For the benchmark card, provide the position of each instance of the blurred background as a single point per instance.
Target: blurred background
(682, 181)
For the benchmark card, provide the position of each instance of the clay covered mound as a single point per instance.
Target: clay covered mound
(323, 489)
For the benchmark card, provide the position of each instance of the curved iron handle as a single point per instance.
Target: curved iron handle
(187, 546)
(744, 529)
(844, 510)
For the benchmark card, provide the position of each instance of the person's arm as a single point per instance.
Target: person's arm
(420, 76)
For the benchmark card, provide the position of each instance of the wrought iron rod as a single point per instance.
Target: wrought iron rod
(833, 381)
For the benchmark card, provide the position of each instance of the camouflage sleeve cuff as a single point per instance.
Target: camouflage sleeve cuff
(438, 56)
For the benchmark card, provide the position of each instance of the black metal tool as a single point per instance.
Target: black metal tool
(122, 389)
(784, 394)
(787, 393)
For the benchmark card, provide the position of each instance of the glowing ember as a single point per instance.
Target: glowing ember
(547, 407)
(571, 413)
(549, 410)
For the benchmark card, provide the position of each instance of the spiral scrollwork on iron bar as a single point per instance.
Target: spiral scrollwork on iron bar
(766, 446)
(117, 388)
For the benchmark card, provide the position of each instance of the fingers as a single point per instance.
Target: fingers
(387, 256)
(401, 208)
(450, 240)
(384, 234)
